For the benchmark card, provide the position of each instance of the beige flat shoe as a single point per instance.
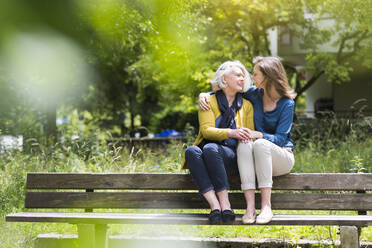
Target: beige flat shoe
(264, 217)
(249, 220)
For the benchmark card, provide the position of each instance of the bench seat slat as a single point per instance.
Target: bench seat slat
(172, 200)
(184, 219)
(302, 181)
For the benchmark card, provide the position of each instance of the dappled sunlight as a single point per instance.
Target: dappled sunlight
(45, 67)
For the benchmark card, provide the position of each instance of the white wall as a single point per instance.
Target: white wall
(343, 95)
(272, 35)
(321, 89)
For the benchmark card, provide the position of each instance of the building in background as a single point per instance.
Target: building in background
(324, 95)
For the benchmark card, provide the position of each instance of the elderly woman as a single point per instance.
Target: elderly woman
(270, 154)
(213, 156)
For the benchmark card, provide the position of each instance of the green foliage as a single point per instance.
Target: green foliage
(348, 39)
(331, 130)
(327, 62)
(179, 45)
(357, 165)
(137, 48)
(341, 158)
(333, 144)
(175, 118)
(239, 28)
(138, 60)
(119, 41)
(42, 63)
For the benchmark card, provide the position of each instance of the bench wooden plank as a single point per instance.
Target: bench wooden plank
(181, 219)
(159, 181)
(172, 200)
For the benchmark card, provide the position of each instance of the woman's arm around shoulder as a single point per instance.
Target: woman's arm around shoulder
(252, 93)
(207, 122)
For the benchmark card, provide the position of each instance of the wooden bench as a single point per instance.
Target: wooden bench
(177, 191)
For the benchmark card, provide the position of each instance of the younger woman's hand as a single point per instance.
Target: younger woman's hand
(204, 101)
(254, 134)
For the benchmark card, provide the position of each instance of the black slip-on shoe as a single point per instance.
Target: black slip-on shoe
(228, 216)
(215, 216)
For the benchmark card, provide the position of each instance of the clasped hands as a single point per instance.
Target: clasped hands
(244, 134)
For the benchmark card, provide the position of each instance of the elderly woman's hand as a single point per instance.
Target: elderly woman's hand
(239, 134)
(204, 101)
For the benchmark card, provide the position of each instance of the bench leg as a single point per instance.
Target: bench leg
(92, 236)
(101, 236)
(349, 237)
(86, 235)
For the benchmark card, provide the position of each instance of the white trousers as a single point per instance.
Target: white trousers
(263, 159)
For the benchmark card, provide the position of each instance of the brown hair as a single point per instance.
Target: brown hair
(275, 76)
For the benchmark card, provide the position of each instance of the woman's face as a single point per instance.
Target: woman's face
(258, 77)
(234, 80)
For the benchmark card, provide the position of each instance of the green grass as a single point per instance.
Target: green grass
(349, 156)
(346, 157)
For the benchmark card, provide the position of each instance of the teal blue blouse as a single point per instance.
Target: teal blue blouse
(275, 125)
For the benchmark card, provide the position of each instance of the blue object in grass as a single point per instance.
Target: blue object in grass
(169, 133)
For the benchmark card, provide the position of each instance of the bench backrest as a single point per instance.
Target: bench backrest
(306, 191)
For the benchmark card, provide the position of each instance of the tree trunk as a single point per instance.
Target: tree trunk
(132, 123)
(309, 83)
(51, 127)
(132, 115)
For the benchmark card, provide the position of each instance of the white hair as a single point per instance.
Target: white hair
(226, 68)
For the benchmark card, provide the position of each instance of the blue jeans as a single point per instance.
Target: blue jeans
(210, 167)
